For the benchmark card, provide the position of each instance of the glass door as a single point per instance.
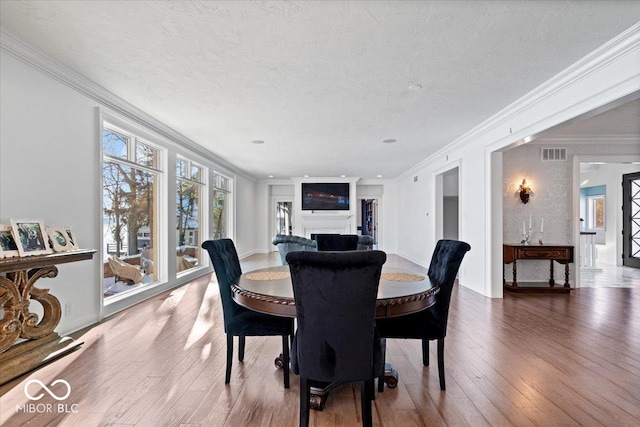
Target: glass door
(283, 217)
(631, 220)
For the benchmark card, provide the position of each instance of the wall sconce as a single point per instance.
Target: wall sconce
(524, 191)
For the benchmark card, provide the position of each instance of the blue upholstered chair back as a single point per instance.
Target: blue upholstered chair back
(445, 263)
(335, 295)
(227, 268)
(365, 243)
(288, 244)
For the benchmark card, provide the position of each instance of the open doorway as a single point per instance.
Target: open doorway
(447, 204)
(369, 219)
(283, 216)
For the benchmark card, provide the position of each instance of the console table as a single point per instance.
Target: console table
(562, 254)
(17, 288)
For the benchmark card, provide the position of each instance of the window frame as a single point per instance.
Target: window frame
(591, 211)
(203, 209)
(215, 181)
(135, 136)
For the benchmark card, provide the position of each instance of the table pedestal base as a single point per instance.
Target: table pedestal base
(29, 355)
(320, 391)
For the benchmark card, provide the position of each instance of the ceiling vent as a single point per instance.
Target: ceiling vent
(554, 154)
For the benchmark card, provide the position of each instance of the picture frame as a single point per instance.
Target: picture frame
(31, 237)
(72, 238)
(8, 245)
(59, 239)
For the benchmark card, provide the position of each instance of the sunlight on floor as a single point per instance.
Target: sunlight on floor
(205, 319)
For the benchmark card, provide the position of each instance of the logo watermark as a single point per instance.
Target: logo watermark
(40, 408)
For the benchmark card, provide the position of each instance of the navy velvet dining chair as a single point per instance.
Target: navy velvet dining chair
(335, 295)
(239, 321)
(430, 324)
(337, 242)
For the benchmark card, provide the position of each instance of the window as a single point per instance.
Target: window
(221, 206)
(189, 191)
(596, 212)
(130, 179)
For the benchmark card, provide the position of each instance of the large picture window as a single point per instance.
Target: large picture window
(221, 206)
(189, 191)
(130, 177)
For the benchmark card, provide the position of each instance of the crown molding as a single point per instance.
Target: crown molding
(620, 46)
(19, 49)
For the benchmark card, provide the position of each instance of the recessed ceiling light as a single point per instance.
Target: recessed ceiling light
(389, 141)
(270, 176)
(379, 176)
(257, 141)
(343, 176)
(415, 87)
(306, 176)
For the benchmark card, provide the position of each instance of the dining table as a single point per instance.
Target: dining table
(400, 292)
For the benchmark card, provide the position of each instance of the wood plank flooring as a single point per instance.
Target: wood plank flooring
(525, 360)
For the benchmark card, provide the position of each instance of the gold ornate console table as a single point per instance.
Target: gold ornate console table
(42, 345)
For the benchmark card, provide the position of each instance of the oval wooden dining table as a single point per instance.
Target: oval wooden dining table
(400, 292)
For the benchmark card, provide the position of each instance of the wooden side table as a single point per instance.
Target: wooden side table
(17, 289)
(562, 254)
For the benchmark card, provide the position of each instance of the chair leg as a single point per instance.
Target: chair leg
(227, 377)
(365, 402)
(305, 406)
(241, 348)
(425, 352)
(285, 356)
(383, 345)
(441, 362)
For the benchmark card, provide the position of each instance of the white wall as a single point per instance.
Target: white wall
(49, 161)
(552, 200)
(50, 169)
(246, 237)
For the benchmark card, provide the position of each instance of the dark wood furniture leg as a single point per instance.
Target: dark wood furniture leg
(552, 282)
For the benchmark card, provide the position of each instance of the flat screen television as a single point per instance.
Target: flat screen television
(325, 196)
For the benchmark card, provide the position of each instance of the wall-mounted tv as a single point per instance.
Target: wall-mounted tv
(325, 196)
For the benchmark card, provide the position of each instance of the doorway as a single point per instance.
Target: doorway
(447, 189)
(369, 219)
(283, 217)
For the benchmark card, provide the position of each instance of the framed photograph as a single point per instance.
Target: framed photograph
(72, 239)
(8, 246)
(31, 237)
(60, 241)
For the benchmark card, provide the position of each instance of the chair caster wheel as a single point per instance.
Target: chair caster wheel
(391, 378)
(279, 362)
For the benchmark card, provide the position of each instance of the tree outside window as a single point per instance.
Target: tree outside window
(130, 207)
(189, 188)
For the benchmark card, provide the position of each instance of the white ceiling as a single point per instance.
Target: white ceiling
(321, 82)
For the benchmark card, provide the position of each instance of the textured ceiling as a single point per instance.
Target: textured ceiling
(321, 82)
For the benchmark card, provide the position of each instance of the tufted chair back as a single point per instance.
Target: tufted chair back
(227, 268)
(445, 263)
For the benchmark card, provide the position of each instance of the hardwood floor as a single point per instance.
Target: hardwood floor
(523, 360)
